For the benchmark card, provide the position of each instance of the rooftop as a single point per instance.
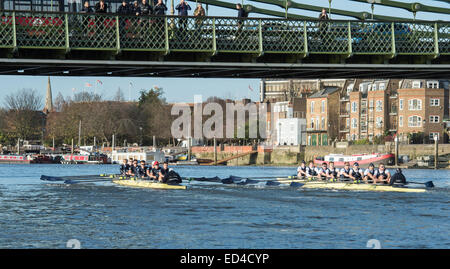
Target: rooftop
(325, 92)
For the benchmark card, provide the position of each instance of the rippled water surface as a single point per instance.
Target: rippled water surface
(38, 214)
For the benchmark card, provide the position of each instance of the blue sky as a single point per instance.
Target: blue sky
(184, 89)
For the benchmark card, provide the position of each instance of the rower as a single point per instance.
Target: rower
(133, 169)
(124, 167)
(332, 172)
(164, 172)
(369, 173)
(345, 172)
(141, 170)
(301, 170)
(324, 171)
(311, 170)
(356, 173)
(382, 175)
(155, 171)
(398, 178)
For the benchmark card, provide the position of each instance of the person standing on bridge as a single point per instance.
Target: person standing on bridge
(241, 15)
(160, 8)
(183, 9)
(101, 7)
(136, 9)
(199, 12)
(146, 9)
(323, 17)
(87, 8)
(124, 8)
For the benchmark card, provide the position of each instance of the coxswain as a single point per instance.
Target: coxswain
(369, 173)
(345, 172)
(398, 178)
(382, 175)
(324, 171)
(141, 171)
(356, 173)
(332, 172)
(124, 167)
(311, 170)
(301, 170)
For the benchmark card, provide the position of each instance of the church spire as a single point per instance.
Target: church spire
(48, 99)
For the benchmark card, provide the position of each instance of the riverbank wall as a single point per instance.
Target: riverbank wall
(293, 155)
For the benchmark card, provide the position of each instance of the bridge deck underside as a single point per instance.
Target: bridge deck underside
(217, 70)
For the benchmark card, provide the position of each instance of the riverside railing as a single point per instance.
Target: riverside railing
(166, 34)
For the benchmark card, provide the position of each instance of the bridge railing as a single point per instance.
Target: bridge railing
(165, 34)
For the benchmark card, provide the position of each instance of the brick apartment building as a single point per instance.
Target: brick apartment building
(322, 116)
(423, 106)
(366, 108)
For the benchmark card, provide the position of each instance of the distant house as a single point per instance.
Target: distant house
(322, 116)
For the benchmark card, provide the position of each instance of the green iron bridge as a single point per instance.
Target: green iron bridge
(74, 44)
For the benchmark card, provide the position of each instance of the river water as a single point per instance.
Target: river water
(38, 214)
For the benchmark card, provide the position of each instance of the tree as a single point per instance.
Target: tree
(59, 102)
(118, 96)
(155, 118)
(23, 116)
(86, 97)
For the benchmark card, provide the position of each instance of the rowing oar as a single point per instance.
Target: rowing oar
(428, 184)
(231, 179)
(63, 178)
(74, 181)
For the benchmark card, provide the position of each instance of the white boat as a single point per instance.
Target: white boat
(147, 156)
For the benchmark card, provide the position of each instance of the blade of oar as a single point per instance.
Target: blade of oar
(80, 177)
(428, 184)
(208, 179)
(296, 184)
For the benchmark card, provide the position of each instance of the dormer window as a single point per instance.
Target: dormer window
(417, 84)
(382, 87)
(433, 84)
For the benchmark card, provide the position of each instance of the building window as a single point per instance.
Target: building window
(434, 119)
(354, 106)
(323, 123)
(434, 102)
(401, 104)
(382, 86)
(374, 87)
(432, 135)
(379, 106)
(400, 121)
(347, 123)
(379, 122)
(371, 104)
(354, 123)
(414, 121)
(415, 104)
(417, 84)
(432, 84)
(323, 106)
(317, 123)
(312, 107)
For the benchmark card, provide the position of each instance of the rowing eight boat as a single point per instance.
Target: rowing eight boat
(348, 186)
(148, 184)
